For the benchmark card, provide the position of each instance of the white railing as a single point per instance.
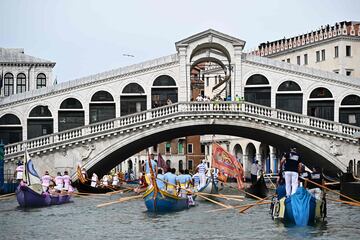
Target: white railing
(187, 108)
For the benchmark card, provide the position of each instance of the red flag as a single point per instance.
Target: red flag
(227, 163)
(162, 164)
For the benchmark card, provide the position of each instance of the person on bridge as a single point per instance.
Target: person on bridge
(292, 165)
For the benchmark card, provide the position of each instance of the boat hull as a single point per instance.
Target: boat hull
(27, 198)
(164, 202)
(210, 188)
(86, 188)
(259, 189)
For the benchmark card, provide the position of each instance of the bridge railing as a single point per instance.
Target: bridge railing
(210, 108)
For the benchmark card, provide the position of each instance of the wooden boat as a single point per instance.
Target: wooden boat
(30, 194)
(259, 189)
(87, 188)
(300, 208)
(164, 201)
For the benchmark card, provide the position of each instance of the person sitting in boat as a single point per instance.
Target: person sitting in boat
(255, 168)
(67, 181)
(59, 182)
(115, 181)
(202, 169)
(184, 181)
(19, 172)
(316, 176)
(170, 181)
(160, 178)
(291, 162)
(94, 180)
(45, 181)
(154, 167)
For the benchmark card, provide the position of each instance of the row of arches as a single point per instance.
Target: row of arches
(289, 97)
(71, 112)
(21, 86)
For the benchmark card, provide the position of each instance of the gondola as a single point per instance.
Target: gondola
(164, 201)
(210, 187)
(87, 188)
(299, 209)
(259, 189)
(349, 186)
(28, 198)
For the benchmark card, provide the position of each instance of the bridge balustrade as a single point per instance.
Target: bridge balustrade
(209, 108)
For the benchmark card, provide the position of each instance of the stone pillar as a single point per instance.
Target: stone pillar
(236, 79)
(184, 80)
(273, 165)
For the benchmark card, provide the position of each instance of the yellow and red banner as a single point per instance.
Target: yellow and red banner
(227, 164)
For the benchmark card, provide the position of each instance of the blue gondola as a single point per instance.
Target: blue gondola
(164, 201)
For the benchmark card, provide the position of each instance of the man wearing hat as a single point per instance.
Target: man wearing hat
(292, 163)
(202, 168)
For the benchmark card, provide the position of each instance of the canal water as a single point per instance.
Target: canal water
(81, 219)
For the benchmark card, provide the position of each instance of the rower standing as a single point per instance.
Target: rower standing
(19, 172)
(291, 161)
(45, 181)
(59, 182)
(202, 168)
(67, 181)
(94, 180)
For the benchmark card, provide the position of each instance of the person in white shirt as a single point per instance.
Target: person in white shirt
(255, 167)
(202, 168)
(94, 180)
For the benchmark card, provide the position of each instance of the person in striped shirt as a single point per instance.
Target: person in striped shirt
(202, 168)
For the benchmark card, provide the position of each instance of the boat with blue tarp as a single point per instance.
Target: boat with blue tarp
(301, 208)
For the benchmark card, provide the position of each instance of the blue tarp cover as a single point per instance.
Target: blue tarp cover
(300, 204)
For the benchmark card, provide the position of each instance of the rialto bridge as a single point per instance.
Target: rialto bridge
(101, 120)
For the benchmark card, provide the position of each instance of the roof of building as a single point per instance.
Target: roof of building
(324, 33)
(17, 55)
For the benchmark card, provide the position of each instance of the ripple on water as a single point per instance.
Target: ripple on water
(81, 219)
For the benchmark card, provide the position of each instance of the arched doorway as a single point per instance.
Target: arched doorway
(102, 107)
(289, 97)
(258, 90)
(349, 111)
(71, 114)
(265, 157)
(250, 156)
(321, 104)
(164, 88)
(238, 153)
(39, 122)
(132, 99)
(10, 129)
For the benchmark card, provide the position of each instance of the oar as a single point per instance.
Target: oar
(119, 201)
(331, 183)
(270, 181)
(319, 185)
(7, 195)
(213, 201)
(341, 201)
(257, 203)
(223, 196)
(240, 206)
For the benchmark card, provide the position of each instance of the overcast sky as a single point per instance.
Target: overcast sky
(85, 37)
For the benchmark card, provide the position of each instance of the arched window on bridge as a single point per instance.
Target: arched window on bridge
(349, 111)
(321, 104)
(20, 83)
(164, 87)
(8, 84)
(238, 153)
(102, 107)
(289, 97)
(71, 114)
(10, 129)
(133, 99)
(258, 90)
(40, 122)
(181, 165)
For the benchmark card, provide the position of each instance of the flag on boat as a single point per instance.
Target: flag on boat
(81, 177)
(227, 163)
(30, 176)
(162, 164)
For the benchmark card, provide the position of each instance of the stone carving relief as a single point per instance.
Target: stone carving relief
(335, 149)
(85, 154)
